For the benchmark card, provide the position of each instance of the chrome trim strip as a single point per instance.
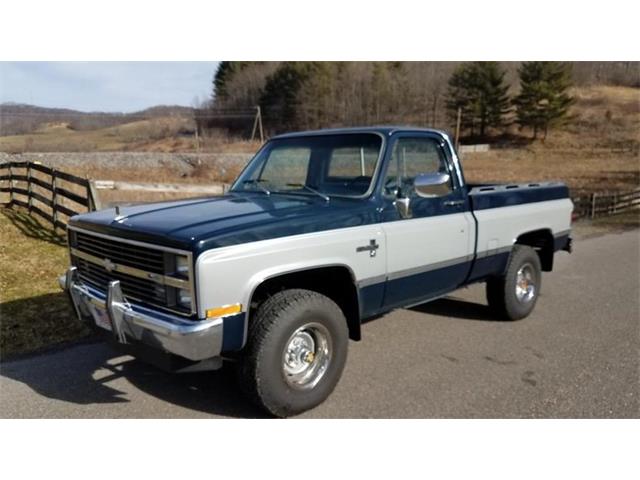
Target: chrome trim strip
(134, 272)
(130, 242)
(170, 281)
(371, 281)
(365, 282)
(427, 268)
(454, 158)
(494, 251)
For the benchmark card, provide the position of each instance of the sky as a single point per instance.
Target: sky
(106, 86)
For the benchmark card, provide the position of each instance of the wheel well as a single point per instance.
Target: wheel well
(542, 242)
(333, 282)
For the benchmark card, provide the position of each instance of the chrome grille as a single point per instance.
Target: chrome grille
(146, 273)
(135, 256)
(132, 287)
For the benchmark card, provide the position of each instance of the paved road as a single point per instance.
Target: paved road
(576, 356)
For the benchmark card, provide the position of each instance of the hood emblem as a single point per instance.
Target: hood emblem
(119, 217)
(109, 265)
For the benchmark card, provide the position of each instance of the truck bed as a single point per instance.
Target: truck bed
(503, 212)
(485, 196)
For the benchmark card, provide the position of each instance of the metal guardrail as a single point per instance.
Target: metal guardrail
(46, 203)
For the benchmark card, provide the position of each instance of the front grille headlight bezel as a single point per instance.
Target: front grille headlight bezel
(182, 266)
(184, 298)
(177, 267)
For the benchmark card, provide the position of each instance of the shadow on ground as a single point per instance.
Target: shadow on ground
(455, 308)
(85, 375)
(36, 323)
(31, 227)
(92, 373)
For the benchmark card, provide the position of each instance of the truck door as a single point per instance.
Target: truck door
(430, 247)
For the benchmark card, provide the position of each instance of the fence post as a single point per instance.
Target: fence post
(594, 197)
(92, 196)
(29, 200)
(260, 124)
(458, 122)
(10, 184)
(54, 200)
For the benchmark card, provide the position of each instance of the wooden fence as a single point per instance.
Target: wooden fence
(600, 204)
(46, 196)
(22, 184)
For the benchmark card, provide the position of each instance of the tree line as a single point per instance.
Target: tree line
(488, 95)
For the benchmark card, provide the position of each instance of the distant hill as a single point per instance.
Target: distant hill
(18, 119)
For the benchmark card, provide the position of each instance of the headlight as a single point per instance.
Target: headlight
(182, 266)
(183, 298)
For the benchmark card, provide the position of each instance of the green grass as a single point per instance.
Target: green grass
(34, 312)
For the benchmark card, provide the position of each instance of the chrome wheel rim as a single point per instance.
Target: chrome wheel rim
(525, 283)
(306, 356)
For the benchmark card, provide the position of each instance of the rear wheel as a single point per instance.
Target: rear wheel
(513, 295)
(296, 351)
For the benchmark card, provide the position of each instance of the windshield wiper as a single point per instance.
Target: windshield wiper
(312, 190)
(256, 182)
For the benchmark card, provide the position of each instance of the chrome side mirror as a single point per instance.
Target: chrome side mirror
(432, 185)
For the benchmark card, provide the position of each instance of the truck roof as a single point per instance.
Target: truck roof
(381, 130)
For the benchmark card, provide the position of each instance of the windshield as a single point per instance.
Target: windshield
(322, 165)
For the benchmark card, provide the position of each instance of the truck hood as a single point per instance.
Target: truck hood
(204, 223)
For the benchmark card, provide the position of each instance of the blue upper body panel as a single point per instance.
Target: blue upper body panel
(204, 223)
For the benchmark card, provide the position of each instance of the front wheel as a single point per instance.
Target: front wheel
(513, 295)
(296, 351)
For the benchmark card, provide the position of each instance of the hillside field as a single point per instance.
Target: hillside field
(160, 134)
(598, 150)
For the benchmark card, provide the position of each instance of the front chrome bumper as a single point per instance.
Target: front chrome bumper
(194, 340)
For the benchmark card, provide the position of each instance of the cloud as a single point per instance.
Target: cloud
(105, 86)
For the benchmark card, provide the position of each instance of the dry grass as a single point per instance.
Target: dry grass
(61, 137)
(598, 150)
(579, 169)
(623, 222)
(162, 134)
(34, 313)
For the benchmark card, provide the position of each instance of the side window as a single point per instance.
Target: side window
(412, 157)
(351, 162)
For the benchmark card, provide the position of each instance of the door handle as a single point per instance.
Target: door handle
(371, 248)
(453, 203)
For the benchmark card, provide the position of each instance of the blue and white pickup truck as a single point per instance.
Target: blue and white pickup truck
(320, 231)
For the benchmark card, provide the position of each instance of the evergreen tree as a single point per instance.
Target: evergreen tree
(222, 77)
(479, 89)
(543, 101)
(280, 100)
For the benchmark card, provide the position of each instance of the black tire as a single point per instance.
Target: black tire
(501, 291)
(262, 371)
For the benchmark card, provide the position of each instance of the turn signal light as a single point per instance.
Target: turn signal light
(224, 311)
